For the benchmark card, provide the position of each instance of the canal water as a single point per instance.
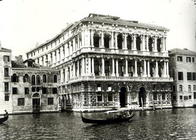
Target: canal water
(147, 125)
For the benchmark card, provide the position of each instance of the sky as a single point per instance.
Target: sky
(27, 23)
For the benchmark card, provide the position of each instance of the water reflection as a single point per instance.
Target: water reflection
(159, 124)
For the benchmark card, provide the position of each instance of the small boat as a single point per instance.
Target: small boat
(3, 119)
(112, 116)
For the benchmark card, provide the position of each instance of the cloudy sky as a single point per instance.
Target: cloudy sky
(25, 23)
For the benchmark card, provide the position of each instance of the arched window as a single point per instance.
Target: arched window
(159, 45)
(44, 78)
(129, 42)
(96, 40)
(26, 78)
(150, 42)
(14, 78)
(33, 79)
(38, 80)
(138, 43)
(55, 78)
(106, 40)
(119, 40)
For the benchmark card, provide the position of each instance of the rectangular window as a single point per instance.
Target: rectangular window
(190, 96)
(50, 101)
(194, 94)
(189, 76)
(194, 76)
(33, 89)
(26, 90)
(180, 75)
(110, 97)
(6, 86)
(189, 88)
(6, 97)
(193, 59)
(6, 72)
(44, 90)
(14, 90)
(180, 97)
(21, 101)
(154, 96)
(186, 97)
(179, 58)
(6, 58)
(99, 97)
(188, 59)
(163, 96)
(54, 90)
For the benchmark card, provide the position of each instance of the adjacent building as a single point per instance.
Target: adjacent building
(33, 88)
(5, 71)
(183, 70)
(107, 62)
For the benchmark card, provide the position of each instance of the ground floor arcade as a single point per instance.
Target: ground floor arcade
(111, 94)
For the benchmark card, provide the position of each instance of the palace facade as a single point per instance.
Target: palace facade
(183, 71)
(107, 62)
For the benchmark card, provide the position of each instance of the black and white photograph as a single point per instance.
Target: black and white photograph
(97, 69)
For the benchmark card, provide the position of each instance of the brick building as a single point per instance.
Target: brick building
(33, 87)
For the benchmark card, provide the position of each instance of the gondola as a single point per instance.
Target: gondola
(3, 119)
(112, 116)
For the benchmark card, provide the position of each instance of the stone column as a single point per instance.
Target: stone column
(156, 69)
(134, 42)
(50, 58)
(74, 45)
(147, 38)
(143, 43)
(78, 38)
(164, 43)
(135, 72)
(112, 40)
(113, 67)
(103, 67)
(167, 69)
(148, 65)
(102, 39)
(89, 66)
(155, 44)
(126, 68)
(82, 67)
(61, 75)
(74, 69)
(117, 74)
(54, 56)
(93, 67)
(92, 38)
(116, 42)
(125, 41)
(144, 74)
(83, 37)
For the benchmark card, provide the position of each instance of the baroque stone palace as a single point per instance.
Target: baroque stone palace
(108, 62)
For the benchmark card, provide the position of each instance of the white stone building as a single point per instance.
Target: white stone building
(183, 71)
(108, 62)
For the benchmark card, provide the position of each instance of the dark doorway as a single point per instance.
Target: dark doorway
(142, 97)
(36, 105)
(122, 97)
